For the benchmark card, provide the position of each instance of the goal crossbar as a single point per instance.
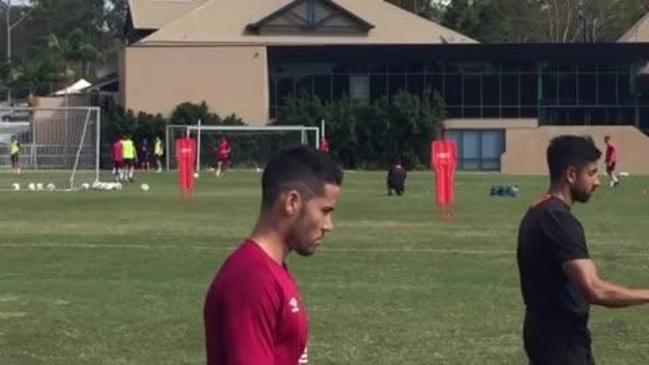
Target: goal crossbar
(231, 128)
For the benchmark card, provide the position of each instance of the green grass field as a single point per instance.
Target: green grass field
(120, 277)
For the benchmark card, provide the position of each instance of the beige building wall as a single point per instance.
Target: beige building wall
(121, 75)
(525, 148)
(72, 100)
(472, 123)
(230, 79)
(526, 143)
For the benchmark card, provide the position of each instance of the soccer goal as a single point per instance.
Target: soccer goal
(59, 147)
(251, 146)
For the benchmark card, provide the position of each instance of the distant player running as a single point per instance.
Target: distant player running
(611, 162)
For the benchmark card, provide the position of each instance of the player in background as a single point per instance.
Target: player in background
(253, 312)
(144, 156)
(324, 145)
(611, 161)
(223, 156)
(158, 151)
(117, 156)
(129, 155)
(396, 179)
(14, 154)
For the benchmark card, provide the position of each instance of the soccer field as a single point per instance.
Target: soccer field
(120, 277)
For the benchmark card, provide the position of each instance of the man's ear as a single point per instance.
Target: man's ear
(571, 174)
(292, 203)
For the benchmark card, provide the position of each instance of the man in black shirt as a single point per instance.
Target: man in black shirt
(396, 179)
(559, 281)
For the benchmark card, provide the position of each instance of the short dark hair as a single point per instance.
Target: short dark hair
(301, 168)
(570, 151)
(607, 138)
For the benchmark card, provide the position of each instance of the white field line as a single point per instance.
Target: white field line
(440, 251)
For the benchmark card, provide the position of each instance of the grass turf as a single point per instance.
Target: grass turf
(120, 277)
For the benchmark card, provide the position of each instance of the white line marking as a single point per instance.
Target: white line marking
(441, 251)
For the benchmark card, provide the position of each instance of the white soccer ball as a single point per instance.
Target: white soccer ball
(31, 186)
(258, 169)
(50, 187)
(15, 186)
(196, 175)
(96, 185)
(114, 186)
(39, 186)
(144, 187)
(85, 186)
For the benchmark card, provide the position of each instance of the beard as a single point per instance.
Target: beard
(300, 244)
(581, 195)
(299, 240)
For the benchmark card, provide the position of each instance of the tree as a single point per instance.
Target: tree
(428, 9)
(36, 75)
(76, 50)
(462, 16)
(607, 20)
(557, 21)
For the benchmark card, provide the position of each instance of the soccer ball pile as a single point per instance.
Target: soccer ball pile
(109, 186)
(35, 187)
(103, 186)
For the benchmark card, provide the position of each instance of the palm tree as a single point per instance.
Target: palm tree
(36, 73)
(76, 50)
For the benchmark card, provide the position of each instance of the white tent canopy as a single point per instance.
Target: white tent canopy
(75, 88)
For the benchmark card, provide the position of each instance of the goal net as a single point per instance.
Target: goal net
(59, 147)
(251, 146)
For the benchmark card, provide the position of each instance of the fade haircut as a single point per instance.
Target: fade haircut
(570, 151)
(301, 168)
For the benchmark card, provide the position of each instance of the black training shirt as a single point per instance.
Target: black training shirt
(549, 236)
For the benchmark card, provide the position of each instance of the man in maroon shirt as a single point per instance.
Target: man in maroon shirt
(611, 161)
(324, 145)
(116, 154)
(254, 314)
(223, 157)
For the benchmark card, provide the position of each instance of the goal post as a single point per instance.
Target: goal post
(58, 146)
(251, 145)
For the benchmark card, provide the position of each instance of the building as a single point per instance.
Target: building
(504, 100)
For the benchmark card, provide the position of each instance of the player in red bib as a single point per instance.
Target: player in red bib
(324, 145)
(118, 160)
(223, 157)
(611, 161)
(254, 313)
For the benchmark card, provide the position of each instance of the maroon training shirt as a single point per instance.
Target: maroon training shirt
(611, 154)
(253, 312)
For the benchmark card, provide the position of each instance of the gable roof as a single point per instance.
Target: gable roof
(226, 22)
(154, 14)
(639, 32)
(290, 9)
